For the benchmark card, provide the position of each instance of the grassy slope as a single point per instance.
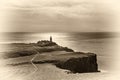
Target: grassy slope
(20, 50)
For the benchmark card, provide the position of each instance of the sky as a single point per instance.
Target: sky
(59, 15)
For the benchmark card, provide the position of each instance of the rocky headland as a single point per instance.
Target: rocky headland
(50, 52)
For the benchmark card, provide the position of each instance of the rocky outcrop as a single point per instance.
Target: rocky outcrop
(80, 65)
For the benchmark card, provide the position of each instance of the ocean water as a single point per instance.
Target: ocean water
(102, 43)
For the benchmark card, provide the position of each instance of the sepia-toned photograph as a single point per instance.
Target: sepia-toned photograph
(59, 39)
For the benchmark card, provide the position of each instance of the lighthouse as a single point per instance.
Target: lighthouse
(50, 38)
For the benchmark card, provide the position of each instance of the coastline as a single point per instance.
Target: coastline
(99, 47)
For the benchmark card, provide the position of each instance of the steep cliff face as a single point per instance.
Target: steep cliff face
(80, 65)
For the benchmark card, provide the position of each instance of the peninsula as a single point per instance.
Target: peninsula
(47, 51)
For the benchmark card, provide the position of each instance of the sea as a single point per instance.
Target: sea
(104, 44)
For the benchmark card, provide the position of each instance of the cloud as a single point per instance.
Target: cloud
(53, 7)
(46, 15)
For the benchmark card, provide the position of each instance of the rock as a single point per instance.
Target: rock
(80, 64)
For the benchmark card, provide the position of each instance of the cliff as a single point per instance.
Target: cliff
(80, 64)
(61, 57)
